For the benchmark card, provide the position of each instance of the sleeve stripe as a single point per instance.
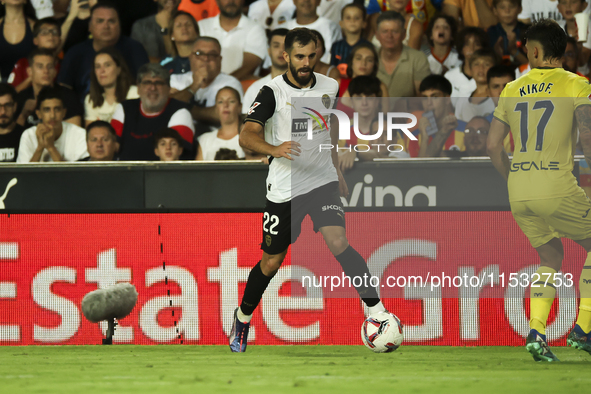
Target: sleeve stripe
(185, 132)
(254, 120)
(502, 121)
(118, 126)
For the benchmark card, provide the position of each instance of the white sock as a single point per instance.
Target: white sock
(379, 307)
(242, 317)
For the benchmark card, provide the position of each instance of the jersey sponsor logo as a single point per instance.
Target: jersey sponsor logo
(326, 101)
(532, 165)
(268, 240)
(252, 107)
(333, 207)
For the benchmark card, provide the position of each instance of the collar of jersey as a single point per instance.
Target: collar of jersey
(287, 81)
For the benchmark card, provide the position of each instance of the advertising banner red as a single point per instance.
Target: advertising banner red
(190, 271)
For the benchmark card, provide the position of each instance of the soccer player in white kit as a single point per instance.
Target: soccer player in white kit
(300, 181)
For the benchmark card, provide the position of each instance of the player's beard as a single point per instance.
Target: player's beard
(301, 81)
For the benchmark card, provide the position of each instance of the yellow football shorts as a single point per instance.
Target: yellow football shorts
(542, 220)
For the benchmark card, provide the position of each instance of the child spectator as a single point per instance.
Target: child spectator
(506, 35)
(571, 57)
(47, 35)
(470, 39)
(183, 33)
(568, 9)
(497, 78)
(322, 67)
(535, 10)
(441, 34)
(168, 144)
(228, 107)
(352, 22)
(110, 84)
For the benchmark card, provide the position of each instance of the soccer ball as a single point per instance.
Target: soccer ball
(382, 332)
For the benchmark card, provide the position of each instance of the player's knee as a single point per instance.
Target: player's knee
(271, 265)
(337, 245)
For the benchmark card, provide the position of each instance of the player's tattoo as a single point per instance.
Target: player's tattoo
(583, 116)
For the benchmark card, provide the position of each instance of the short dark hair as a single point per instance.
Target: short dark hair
(167, 132)
(49, 93)
(550, 35)
(466, 32)
(46, 21)
(452, 25)
(101, 123)
(231, 89)
(226, 154)
(365, 84)
(437, 82)
(6, 88)
(107, 5)
(209, 39)
(572, 41)
(483, 52)
(391, 16)
(301, 35)
(354, 5)
(277, 32)
(517, 3)
(39, 52)
(319, 39)
(357, 47)
(500, 71)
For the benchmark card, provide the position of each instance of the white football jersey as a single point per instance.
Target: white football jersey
(284, 109)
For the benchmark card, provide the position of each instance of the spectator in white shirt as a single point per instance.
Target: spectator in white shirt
(260, 12)
(242, 40)
(52, 139)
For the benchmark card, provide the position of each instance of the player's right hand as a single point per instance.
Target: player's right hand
(287, 149)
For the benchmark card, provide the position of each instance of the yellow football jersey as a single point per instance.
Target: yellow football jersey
(539, 109)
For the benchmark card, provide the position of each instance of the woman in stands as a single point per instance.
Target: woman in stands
(183, 33)
(110, 84)
(16, 33)
(228, 107)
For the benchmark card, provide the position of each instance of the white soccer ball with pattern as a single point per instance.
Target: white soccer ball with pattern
(382, 332)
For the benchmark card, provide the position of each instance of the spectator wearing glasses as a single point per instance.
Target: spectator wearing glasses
(201, 85)
(136, 121)
(242, 40)
(475, 136)
(46, 34)
(10, 131)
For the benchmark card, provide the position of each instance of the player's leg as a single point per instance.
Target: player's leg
(580, 335)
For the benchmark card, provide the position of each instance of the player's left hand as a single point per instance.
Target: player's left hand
(343, 189)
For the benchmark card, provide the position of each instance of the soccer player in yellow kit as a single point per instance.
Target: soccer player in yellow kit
(540, 110)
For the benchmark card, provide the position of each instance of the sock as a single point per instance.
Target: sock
(242, 317)
(353, 265)
(584, 319)
(541, 299)
(379, 307)
(255, 287)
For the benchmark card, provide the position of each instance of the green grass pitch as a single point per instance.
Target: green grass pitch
(287, 369)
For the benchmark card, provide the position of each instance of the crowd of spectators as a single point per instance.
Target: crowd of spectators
(172, 79)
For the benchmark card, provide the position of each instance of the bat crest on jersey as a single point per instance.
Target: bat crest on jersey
(252, 107)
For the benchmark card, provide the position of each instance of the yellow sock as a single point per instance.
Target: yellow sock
(584, 319)
(542, 295)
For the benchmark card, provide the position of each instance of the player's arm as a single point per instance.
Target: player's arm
(495, 147)
(583, 116)
(334, 141)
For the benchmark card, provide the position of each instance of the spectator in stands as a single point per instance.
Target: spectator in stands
(475, 136)
(271, 14)
(401, 68)
(476, 13)
(168, 144)
(200, 9)
(306, 16)
(104, 27)
(183, 33)
(242, 39)
(568, 9)
(136, 121)
(437, 123)
(16, 34)
(52, 139)
(476, 102)
(75, 28)
(226, 154)
(110, 84)
(228, 107)
(43, 8)
(353, 21)
(101, 141)
(506, 35)
(441, 34)
(535, 10)
(413, 29)
(10, 131)
(571, 57)
(278, 67)
(46, 34)
(363, 60)
(153, 31)
(498, 77)
(42, 72)
(202, 83)
(321, 67)
(470, 39)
